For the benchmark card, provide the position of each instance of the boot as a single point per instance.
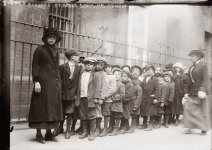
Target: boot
(106, 121)
(92, 123)
(84, 130)
(125, 126)
(73, 126)
(79, 130)
(115, 131)
(166, 119)
(137, 122)
(177, 120)
(111, 126)
(150, 127)
(98, 126)
(68, 132)
(49, 136)
(158, 122)
(133, 123)
(59, 130)
(144, 126)
(203, 133)
(39, 137)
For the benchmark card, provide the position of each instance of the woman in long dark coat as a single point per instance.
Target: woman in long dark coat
(46, 108)
(196, 112)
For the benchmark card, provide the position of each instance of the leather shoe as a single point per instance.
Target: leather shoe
(203, 133)
(40, 139)
(67, 134)
(50, 137)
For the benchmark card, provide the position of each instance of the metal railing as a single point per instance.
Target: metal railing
(22, 49)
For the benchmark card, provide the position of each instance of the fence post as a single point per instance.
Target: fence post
(5, 27)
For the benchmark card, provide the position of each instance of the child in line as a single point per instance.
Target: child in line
(117, 108)
(167, 95)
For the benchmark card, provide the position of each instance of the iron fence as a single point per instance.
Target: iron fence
(22, 48)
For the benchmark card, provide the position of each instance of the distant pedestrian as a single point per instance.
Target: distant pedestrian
(195, 114)
(46, 105)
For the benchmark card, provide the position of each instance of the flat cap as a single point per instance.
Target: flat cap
(90, 59)
(101, 59)
(117, 69)
(169, 72)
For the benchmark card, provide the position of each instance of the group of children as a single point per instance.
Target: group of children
(94, 90)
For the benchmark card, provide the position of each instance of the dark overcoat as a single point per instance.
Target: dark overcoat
(46, 106)
(126, 100)
(135, 99)
(150, 91)
(167, 96)
(180, 90)
(118, 98)
(91, 90)
(69, 86)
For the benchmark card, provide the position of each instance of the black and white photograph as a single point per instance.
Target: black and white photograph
(106, 75)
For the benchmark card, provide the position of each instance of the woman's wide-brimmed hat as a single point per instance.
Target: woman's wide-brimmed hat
(178, 65)
(51, 31)
(197, 53)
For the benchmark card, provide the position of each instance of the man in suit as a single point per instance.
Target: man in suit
(85, 99)
(69, 73)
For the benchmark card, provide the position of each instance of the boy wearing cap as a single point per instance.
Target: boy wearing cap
(100, 90)
(85, 99)
(136, 72)
(107, 104)
(46, 106)
(135, 102)
(69, 73)
(117, 108)
(126, 68)
(125, 126)
(160, 77)
(167, 95)
(150, 90)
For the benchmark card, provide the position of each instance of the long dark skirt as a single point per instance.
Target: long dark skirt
(195, 114)
(46, 108)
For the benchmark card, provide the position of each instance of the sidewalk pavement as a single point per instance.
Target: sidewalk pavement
(172, 138)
